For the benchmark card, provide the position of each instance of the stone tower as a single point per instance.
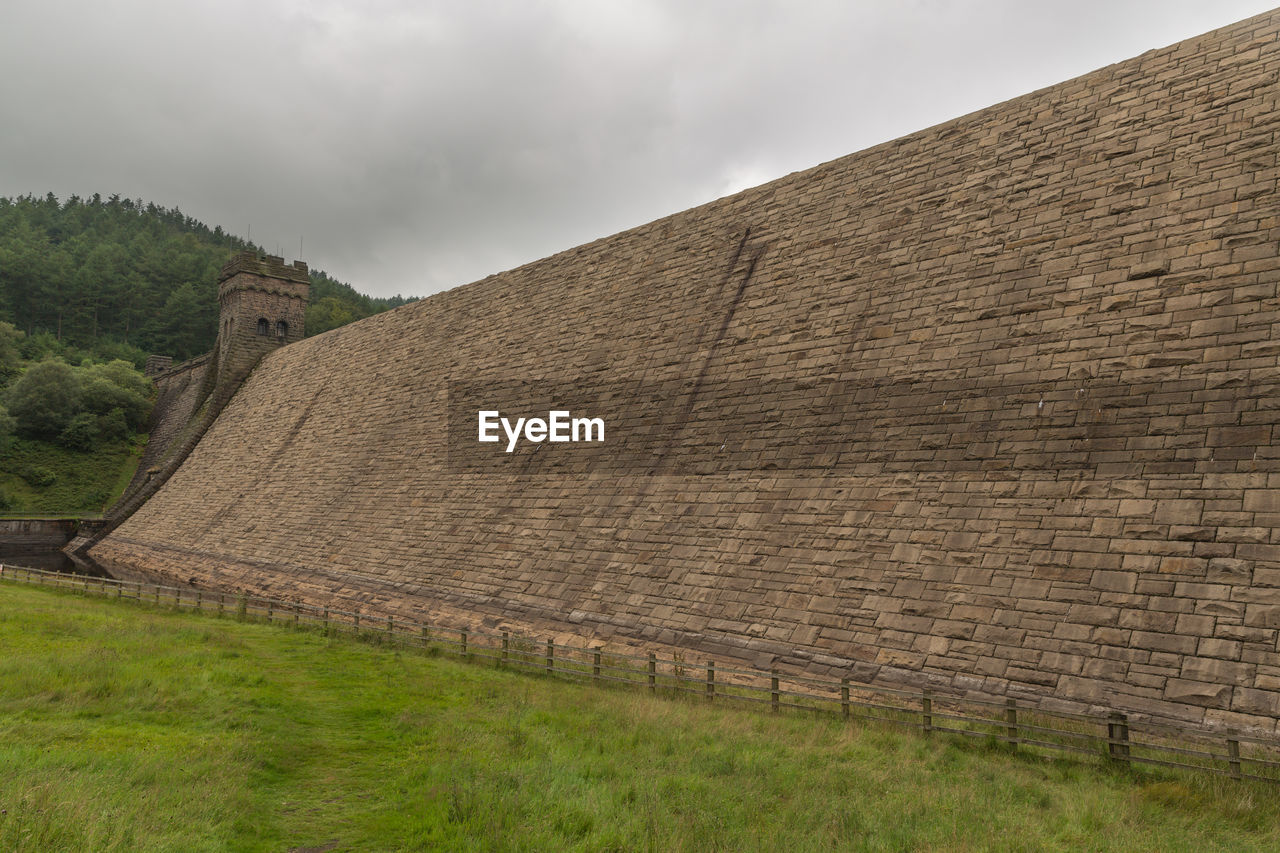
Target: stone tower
(263, 304)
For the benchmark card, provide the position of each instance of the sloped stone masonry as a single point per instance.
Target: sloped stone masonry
(1033, 353)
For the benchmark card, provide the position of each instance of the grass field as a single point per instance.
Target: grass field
(124, 728)
(40, 478)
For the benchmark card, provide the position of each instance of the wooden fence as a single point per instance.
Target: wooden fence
(1114, 737)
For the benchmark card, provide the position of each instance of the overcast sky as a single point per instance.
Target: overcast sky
(415, 146)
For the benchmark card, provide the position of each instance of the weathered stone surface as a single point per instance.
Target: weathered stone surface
(1225, 570)
(1262, 615)
(945, 404)
(1217, 671)
(1261, 702)
(1198, 693)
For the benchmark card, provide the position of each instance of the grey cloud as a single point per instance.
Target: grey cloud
(418, 146)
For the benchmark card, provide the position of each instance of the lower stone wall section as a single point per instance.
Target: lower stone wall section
(978, 599)
(19, 535)
(179, 393)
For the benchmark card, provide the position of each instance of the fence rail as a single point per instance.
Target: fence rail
(1115, 737)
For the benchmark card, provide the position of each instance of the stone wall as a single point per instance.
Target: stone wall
(21, 535)
(990, 408)
(179, 393)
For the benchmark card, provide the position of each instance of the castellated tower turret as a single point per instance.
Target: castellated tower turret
(263, 303)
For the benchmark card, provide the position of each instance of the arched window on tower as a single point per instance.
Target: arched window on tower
(263, 326)
(282, 328)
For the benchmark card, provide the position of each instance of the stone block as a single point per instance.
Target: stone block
(1269, 577)
(1247, 700)
(1262, 615)
(1084, 689)
(1184, 512)
(1212, 647)
(1174, 643)
(1226, 570)
(1217, 671)
(1262, 500)
(1198, 693)
(1114, 581)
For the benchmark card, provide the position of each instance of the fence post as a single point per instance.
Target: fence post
(1233, 750)
(243, 608)
(426, 635)
(653, 672)
(1011, 722)
(551, 656)
(356, 629)
(773, 690)
(391, 626)
(463, 636)
(199, 599)
(326, 621)
(1118, 736)
(926, 708)
(595, 664)
(711, 681)
(270, 610)
(844, 697)
(506, 645)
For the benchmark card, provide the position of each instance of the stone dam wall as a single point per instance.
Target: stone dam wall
(990, 408)
(180, 391)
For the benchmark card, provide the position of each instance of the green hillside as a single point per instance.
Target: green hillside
(132, 729)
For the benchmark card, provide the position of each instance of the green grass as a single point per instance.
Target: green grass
(132, 729)
(78, 482)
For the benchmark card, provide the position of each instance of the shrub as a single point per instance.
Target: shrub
(81, 432)
(113, 426)
(44, 399)
(115, 386)
(7, 426)
(10, 350)
(113, 350)
(39, 346)
(37, 475)
(96, 498)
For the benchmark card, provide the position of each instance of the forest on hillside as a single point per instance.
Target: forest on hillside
(123, 278)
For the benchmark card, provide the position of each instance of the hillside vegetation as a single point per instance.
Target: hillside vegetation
(70, 436)
(88, 289)
(124, 728)
(119, 278)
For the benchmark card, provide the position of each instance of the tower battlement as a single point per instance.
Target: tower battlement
(266, 266)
